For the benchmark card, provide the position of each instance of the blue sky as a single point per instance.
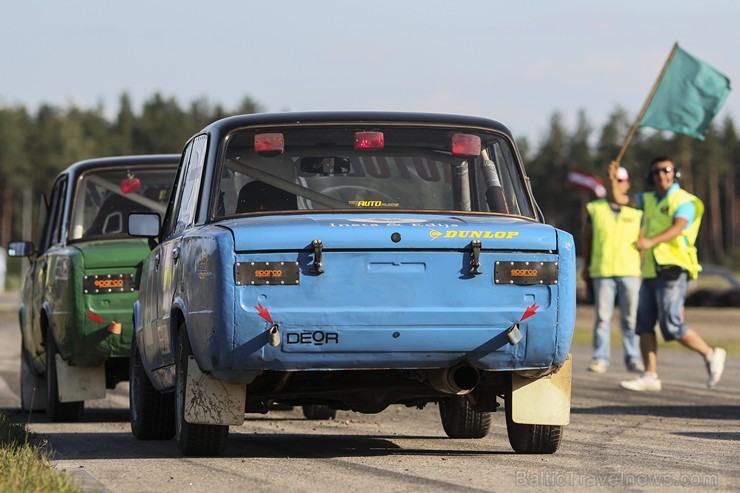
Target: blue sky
(513, 61)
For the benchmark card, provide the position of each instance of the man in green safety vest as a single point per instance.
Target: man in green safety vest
(613, 265)
(671, 220)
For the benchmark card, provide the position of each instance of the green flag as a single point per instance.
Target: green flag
(688, 96)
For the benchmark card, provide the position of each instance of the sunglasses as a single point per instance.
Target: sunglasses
(658, 171)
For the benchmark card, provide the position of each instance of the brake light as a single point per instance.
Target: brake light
(466, 145)
(369, 140)
(269, 144)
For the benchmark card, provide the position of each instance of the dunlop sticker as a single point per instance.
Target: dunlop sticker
(473, 234)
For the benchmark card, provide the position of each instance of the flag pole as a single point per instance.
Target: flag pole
(647, 102)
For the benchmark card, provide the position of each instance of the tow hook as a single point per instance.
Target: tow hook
(274, 335)
(318, 245)
(476, 245)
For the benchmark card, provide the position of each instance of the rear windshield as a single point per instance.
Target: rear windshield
(404, 168)
(105, 197)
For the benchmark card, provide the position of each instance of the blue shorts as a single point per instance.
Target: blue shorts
(661, 300)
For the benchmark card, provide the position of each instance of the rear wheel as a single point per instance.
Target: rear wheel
(152, 413)
(319, 412)
(532, 439)
(55, 409)
(460, 420)
(193, 439)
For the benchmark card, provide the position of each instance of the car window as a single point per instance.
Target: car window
(53, 228)
(191, 186)
(42, 218)
(171, 214)
(105, 197)
(411, 168)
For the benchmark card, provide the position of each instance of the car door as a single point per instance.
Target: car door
(166, 268)
(30, 305)
(43, 270)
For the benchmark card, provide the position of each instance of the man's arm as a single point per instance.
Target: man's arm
(615, 194)
(679, 224)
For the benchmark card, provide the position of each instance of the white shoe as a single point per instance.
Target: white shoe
(715, 365)
(648, 382)
(597, 366)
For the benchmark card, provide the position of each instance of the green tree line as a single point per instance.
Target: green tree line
(34, 147)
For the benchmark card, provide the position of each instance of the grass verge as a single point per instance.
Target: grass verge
(25, 462)
(584, 336)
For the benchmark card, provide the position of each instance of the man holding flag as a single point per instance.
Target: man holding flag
(671, 223)
(684, 99)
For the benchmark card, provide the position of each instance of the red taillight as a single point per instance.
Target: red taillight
(95, 318)
(269, 144)
(369, 140)
(466, 145)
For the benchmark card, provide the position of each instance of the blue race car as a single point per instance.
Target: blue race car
(350, 261)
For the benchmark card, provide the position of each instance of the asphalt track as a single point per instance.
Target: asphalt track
(685, 436)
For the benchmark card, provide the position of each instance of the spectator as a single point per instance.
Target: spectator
(612, 264)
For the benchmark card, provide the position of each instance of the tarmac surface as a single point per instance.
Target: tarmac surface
(685, 436)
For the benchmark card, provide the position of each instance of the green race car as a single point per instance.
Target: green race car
(78, 292)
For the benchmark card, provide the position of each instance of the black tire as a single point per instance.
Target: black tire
(33, 387)
(319, 412)
(460, 420)
(152, 413)
(58, 411)
(193, 439)
(532, 439)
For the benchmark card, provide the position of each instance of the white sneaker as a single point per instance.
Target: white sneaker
(715, 365)
(597, 366)
(648, 382)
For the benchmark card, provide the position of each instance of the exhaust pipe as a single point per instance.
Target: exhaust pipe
(458, 380)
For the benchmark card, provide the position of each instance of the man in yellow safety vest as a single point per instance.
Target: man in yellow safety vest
(613, 265)
(671, 220)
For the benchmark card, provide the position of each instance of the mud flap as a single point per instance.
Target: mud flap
(212, 402)
(77, 383)
(542, 401)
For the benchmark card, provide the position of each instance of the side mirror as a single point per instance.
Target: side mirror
(20, 249)
(143, 224)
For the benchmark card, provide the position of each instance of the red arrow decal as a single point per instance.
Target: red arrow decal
(95, 318)
(529, 312)
(264, 313)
